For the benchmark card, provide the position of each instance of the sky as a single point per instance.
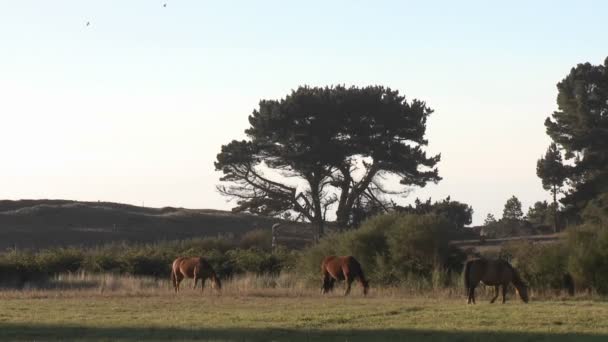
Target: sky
(135, 106)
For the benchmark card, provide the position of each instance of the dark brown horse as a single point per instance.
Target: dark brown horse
(342, 268)
(197, 268)
(497, 273)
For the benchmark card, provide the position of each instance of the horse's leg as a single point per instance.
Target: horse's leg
(472, 294)
(196, 276)
(504, 293)
(349, 282)
(332, 283)
(496, 292)
(203, 284)
(178, 280)
(325, 287)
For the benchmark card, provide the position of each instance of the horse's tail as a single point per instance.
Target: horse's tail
(173, 277)
(467, 274)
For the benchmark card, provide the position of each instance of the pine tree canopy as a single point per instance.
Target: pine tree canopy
(321, 149)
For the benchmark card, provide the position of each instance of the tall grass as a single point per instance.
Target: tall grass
(286, 284)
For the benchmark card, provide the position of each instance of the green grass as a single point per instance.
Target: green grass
(161, 315)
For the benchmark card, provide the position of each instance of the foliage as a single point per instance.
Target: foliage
(391, 248)
(145, 259)
(457, 213)
(489, 220)
(553, 173)
(580, 127)
(588, 262)
(537, 214)
(259, 238)
(596, 211)
(326, 138)
(543, 266)
(508, 228)
(512, 210)
(542, 214)
(551, 170)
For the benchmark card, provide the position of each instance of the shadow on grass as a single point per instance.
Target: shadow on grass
(20, 332)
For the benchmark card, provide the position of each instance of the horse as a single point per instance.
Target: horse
(497, 273)
(342, 268)
(197, 268)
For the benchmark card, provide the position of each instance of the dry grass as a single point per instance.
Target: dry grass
(92, 307)
(80, 284)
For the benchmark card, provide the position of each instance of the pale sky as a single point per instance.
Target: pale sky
(134, 107)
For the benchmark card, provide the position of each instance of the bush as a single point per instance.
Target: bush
(142, 259)
(418, 243)
(59, 260)
(588, 261)
(543, 266)
(150, 265)
(391, 248)
(257, 238)
(507, 228)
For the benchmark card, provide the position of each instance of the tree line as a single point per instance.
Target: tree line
(346, 153)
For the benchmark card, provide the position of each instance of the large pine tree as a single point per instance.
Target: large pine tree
(580, 127)
(327, 148)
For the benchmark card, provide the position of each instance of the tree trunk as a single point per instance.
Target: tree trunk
(342, 213)
(554, 209)
(319, 221)
(319, 229)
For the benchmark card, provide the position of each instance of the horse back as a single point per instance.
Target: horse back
(338, 267)
(491, 272)
(328, 263)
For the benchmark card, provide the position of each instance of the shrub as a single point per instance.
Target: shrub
(418, 243)
(543, 266)
(142, 259)
(257, 238)
(588, 261)
(508, 228)
(58, 260)
(391, 248)
(151, 265)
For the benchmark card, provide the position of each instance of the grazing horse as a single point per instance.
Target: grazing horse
(342, 268)
(197, 268)
(497, 273)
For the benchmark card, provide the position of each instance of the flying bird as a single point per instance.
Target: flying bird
(88, 23)
(164, 5)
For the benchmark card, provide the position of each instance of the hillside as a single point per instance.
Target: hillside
(44, 223)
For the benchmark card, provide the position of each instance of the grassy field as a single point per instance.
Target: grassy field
(128, 311)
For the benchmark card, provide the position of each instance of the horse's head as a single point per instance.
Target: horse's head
(522, 290)
(365, 284)
(326, 286)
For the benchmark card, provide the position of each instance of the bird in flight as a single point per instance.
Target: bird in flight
(164, 5)
(88, 23)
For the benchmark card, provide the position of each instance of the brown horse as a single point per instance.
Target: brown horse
(497, 273)
(197, 268)
(342, 268)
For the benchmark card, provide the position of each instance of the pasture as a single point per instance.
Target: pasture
(97, 308)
